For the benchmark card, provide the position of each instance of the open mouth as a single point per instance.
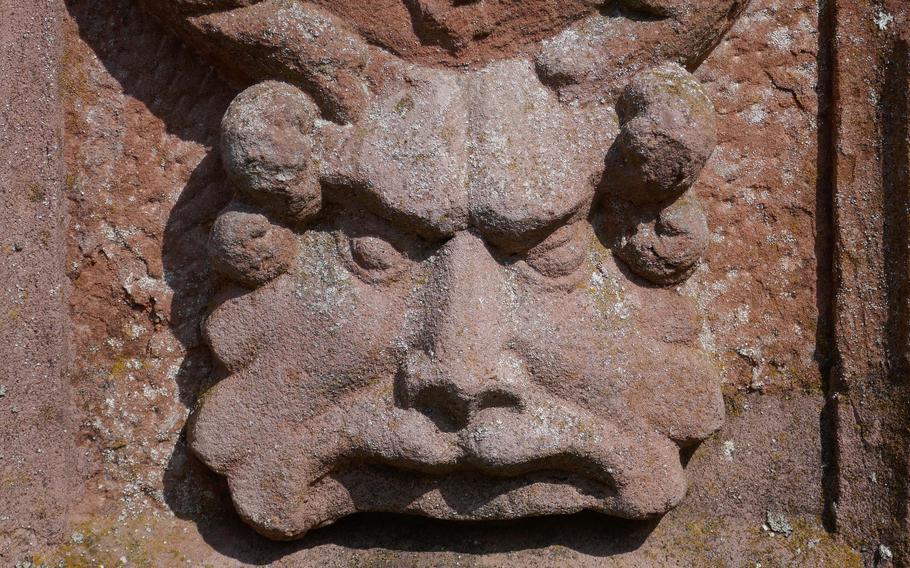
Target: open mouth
(504, 464)
(472, 495)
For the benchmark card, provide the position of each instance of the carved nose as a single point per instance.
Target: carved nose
(459, 363)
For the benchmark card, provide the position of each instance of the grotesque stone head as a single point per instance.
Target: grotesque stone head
(449, 290)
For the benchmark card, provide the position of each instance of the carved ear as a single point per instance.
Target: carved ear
(596, 56)
(254, 40)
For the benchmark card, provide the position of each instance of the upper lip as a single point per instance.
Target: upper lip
(500, 442)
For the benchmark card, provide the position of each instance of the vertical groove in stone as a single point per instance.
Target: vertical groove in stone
(894, 166)
(896, 187)
(824, 247)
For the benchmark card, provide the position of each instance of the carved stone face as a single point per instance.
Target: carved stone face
(458, 303)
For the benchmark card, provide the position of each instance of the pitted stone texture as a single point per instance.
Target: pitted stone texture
(39, 459)
(534, 163)
(757, 189)
(266, 144)
(493, 148)
(462, 388)
(281, 39)
(502, 357)
(597, 55)
(452, 338)
(196, 6)
(408, 156)
(592, 47)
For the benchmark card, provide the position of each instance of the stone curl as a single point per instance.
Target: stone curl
(668, 133)
(266, 147)
(666, 250)
(248, 249)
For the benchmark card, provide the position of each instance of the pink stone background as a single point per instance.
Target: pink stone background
(144, 185)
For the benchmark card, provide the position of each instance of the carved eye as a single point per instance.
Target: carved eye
(561, 254)
(374, 259)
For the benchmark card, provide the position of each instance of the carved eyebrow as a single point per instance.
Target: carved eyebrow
(347, 200)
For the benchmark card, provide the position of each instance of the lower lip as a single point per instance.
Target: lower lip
(467, 495)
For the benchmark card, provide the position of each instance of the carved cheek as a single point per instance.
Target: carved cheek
(319, 319)
(570, 353)
(235, 330)
(588, 347)
(343, 327)
(679, 392)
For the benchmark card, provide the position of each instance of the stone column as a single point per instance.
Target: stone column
(871, 195)
(36, 433)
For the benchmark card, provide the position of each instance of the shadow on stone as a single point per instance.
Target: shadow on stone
(824, 252)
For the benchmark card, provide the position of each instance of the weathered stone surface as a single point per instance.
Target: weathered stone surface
(667, 135)
(319, 46)
(266, 148)
(665, 247)
(444, 374)
(582, 61)
(759, 285)
(247, 248)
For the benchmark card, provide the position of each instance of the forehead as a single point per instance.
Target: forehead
(491, 149)
(457, 31)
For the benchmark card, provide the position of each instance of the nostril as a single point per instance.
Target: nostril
(497, 398)
(444, 406)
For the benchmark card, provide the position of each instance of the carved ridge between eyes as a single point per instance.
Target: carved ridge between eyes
(667, 136)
